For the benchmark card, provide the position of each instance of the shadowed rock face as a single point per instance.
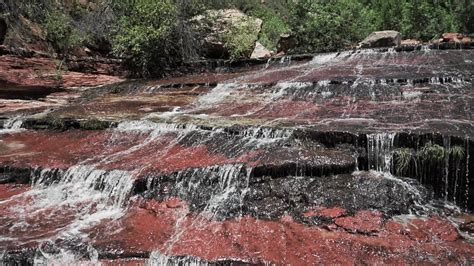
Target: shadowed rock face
(352, 157)
(3, 30)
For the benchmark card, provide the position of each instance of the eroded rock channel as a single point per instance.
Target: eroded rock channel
(354, 157)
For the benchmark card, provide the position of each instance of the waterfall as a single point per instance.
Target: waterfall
(114, 186)
(379, 148)
(218, 94)
(12, 125)
(447, 147)
(149, 126)
(69, 201)
(215, 192)
(267, 133)
(159, 259)
(467, 173)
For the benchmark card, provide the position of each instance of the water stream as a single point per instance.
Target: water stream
(260, 146)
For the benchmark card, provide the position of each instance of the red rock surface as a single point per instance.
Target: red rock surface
(344, 237)
(332, 213)
(388, 91)
(43, 71)
(174, 230)
(9, 190)
(147, 152)
(364, 222)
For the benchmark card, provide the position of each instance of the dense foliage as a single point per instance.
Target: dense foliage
(155, 35)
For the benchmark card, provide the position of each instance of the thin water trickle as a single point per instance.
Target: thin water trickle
(447, 147)
(380, 147)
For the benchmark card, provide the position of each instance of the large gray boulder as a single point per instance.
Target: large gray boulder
(213, 25)
(387, 38)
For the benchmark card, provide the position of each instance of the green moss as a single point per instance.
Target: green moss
(54, 122)
(94, 124)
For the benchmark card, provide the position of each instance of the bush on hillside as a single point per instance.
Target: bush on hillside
(240, 39)
(146, 35)
(272, 27)
(327, 26)
(60, 32)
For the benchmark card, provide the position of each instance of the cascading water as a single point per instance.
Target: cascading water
(380, 147)
(71, 202)
(159, 259)
(12, 125)
(258, 168)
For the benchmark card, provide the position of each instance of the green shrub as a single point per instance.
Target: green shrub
(239, 39)
(273, 26)
(322, 26)
(431, 153)
(457, 152)
(423, 20)
(403, 157)
(60, 32)
(151, 35)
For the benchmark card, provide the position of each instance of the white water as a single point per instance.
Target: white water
(147, 126)
(12, 125)
(159, 259)
(69, 201)
(267, 133)
(380, 149)
(218, 94)
(231, 188)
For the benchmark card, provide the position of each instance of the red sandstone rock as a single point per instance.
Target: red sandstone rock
(432, 229)
(10, 190)
(364, 222)
(43, 71)
(174, 203)
(466, 40)
(334, 212)
(452, 37)
(150, 227)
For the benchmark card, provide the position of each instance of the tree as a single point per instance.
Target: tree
(145, 35)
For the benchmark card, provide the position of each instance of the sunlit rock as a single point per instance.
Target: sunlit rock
(213, 25)
(386, 38)
(260, 51)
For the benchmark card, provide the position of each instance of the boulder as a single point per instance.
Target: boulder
(260, 51)
(452, 37)
(386, 38)
(3, 30)
(286, 43)
(212, 25)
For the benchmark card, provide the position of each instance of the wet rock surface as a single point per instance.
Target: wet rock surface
(353, 157)
(3, 30)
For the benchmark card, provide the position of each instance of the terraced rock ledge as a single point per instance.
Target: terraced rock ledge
(363, 156)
